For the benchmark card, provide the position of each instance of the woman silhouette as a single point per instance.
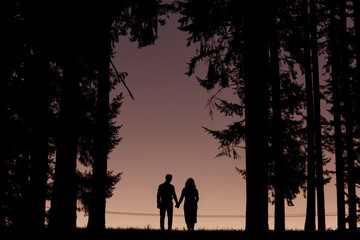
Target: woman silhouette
(191, 195)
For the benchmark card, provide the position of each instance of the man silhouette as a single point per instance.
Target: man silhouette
(165, 195)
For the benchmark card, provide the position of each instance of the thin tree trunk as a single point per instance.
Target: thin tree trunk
(310, 207)
(339, 161)
(348, 119)
(317, 122)
(277, 145)
(4, 118)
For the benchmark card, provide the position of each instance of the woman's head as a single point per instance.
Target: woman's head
(190, 183)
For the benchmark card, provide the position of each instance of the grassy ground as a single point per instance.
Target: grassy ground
(226, 235)
(179, 234)
(223, 235)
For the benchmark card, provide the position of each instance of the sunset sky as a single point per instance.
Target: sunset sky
(162, 133)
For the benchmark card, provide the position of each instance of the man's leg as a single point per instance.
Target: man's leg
(162, 217)
(170, 216)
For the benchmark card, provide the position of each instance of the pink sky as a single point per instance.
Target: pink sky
(162, 133)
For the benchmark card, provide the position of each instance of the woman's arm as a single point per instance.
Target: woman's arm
(181, 199)
(158, 198)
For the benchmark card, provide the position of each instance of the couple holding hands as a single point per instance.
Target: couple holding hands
(166, 194)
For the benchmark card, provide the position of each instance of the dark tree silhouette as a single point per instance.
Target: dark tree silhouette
(310, 207)
(256, 113)
(224, 50)
(338, 145)
(64, 203)
(348, 115)
(98, 193)
(277, 135)
(319, 181)
(45, 106)
(64, 194)
(305, 53)
(11, 129)
(356, 85)
(4, 80)
(342, 66)
(37, 67)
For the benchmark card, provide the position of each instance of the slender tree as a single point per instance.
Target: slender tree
(317, 118)
(348, 114)
(310, 207)
(37, 67)
(335, 77)
(6, 16)
(277, 135)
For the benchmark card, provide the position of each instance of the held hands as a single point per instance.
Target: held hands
(177, 205)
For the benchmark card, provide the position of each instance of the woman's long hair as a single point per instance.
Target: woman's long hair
(190, 184)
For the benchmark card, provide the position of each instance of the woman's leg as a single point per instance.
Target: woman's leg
(192, 226)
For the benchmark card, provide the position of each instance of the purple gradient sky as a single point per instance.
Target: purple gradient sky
(162, 133)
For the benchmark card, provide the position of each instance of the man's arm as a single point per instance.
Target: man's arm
(174, 196)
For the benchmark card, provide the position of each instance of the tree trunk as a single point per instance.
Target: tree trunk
(37, 67)
(317, 121)
(339, 161)
(256, 115)
(98, 192)
(310, 207)
(357, 52)
(277, 144)
(64, 199)
(39, 146)
(5, 41)
(63, 205)
(348, 118)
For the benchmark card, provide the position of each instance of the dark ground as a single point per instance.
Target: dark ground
(134, 234)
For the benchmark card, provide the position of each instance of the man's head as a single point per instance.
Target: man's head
(168, 178)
